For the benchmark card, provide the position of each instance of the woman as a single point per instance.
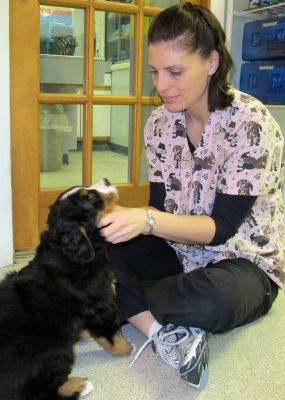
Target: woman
(207, 254)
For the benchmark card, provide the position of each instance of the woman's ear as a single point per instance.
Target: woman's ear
(213, 62)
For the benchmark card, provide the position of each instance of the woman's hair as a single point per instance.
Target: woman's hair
(196, 29)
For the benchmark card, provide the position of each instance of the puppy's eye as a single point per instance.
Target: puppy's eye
(95, 199)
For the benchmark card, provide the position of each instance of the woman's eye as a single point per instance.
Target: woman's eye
(175, 73)
(172, 73)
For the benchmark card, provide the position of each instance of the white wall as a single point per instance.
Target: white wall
(218, 8)
(6, 235)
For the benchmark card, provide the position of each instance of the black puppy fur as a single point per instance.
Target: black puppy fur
(66, 288)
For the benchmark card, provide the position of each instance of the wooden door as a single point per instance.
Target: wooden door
(54, 116)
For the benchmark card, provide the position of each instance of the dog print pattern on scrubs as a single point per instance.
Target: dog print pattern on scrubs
(239, 153)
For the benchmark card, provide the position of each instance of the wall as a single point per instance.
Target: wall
(6, 236)
(218, 8)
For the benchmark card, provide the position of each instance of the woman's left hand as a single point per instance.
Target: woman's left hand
(123, 224)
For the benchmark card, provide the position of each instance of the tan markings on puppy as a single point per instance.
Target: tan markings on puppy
(85, 335)
(71, 386)
(114, 285)
(82, 230)
(110, 200)
(83, 192)
(120, 348)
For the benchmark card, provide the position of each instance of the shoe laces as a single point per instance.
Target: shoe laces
(166, 345)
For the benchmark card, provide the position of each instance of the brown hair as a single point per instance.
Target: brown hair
(196, 29)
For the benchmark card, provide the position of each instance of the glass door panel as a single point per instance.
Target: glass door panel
(60, 145)
(147, 80)
(114, 42)
(160, 3)
(111, 143)
(61, 49)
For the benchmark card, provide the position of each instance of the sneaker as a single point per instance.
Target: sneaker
(193, 365)
(182, 349)
(166, 343)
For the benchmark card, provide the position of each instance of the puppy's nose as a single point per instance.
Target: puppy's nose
(107, 182)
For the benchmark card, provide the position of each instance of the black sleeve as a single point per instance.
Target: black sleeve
(157, 195)
(228, 213)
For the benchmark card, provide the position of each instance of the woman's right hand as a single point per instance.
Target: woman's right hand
(123, 224)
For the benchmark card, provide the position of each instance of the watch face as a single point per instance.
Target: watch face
(151, 221)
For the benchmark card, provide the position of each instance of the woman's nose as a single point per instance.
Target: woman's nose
(161, 83)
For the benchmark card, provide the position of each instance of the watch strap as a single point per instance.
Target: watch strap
(150, 221)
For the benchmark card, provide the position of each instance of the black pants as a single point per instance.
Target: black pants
(217, 298)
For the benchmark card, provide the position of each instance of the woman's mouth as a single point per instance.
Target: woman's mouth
(169, 99)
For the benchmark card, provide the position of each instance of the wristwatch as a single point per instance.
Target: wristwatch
(150, 221)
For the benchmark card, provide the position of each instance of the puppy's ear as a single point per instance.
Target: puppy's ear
(69, 216)
(76, 245)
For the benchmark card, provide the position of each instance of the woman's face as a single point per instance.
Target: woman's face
(181, 78)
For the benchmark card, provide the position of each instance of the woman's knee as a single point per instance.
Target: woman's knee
(214, 312)
(222, 311)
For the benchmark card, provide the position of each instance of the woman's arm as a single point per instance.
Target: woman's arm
(124, 224)
(187, 229)
(229, 212)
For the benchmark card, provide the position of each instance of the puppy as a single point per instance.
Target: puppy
(68, 287)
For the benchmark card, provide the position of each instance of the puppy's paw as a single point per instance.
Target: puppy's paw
(89, 387)
(120, 348)
(75, 385)
(85, 336)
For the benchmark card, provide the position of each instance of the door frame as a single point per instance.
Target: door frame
(30, 202)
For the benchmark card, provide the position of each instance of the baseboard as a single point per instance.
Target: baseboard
(117, 148)
(106, 146)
